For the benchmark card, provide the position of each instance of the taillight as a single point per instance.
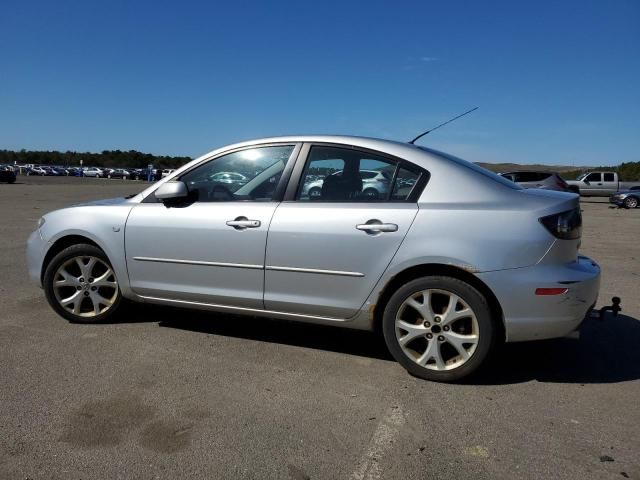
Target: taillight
(565, 225)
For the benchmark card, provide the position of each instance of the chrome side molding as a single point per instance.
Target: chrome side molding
(198, 262)
(314, 270)
(250, 266)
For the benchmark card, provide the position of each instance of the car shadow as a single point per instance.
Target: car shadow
(263, 329)
(608, 351)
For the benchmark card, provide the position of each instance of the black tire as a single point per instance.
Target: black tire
(69, 253)
(630, 202)
(473, 298)
(371, 193)
(317, 193)
(12, 180)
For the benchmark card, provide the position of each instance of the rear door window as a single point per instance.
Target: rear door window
(334, 174)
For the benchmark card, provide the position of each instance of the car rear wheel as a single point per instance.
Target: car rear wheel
(438, 328)
(630, 202)
(81, 286)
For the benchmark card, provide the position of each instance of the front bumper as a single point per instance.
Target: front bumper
(36, 251)
(619, 201)
(528, 316)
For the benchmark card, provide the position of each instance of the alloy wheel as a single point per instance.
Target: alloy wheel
(85, 286)
(437, 329)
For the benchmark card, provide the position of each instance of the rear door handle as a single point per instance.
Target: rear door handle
(240, 223)
(376, 226)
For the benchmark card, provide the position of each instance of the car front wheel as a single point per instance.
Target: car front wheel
(438, 328)
(630, 202)
(81, 286)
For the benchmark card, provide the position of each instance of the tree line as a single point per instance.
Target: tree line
(107, 159)
(628, 171)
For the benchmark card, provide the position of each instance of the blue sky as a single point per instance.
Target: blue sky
(557, 82)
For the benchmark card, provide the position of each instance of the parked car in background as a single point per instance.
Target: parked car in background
(536, 179)
(36, 170)
(118, 173)
(60, 170)
(375, 184)
(599, 184)
(93, 172)
(7, 173)
(444, 276)
(137, 173)
(51, 172)
(167, 171)
(229, 178)
(626, 198)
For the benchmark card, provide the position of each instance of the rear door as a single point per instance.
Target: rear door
(327, 250)
(609, 183)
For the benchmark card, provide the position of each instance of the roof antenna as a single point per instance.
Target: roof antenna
(442, 124)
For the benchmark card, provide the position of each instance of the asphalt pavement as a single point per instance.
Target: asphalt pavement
(169, 393)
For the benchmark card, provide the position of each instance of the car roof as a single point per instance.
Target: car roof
(546, 172)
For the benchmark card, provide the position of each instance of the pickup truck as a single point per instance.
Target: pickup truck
(600, 184)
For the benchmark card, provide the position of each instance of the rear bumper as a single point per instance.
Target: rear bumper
(528, 316)
(616, 201)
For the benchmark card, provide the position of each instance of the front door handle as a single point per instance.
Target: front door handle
(376, 226)
(240, 223)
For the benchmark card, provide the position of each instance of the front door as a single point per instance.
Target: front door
(211, 247)
(329, 245)
(594, 187)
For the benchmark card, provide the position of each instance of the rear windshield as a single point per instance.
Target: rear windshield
(476, 168)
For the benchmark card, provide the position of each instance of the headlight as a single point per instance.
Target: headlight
(41, 222)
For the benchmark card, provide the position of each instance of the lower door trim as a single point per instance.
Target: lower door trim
(242, 310)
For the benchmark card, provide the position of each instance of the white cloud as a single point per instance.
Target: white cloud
(428, 59)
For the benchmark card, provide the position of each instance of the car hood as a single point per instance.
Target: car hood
(105, 202)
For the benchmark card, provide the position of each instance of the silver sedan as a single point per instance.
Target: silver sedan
(445, 277)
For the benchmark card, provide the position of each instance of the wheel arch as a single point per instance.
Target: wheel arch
(432, 269)
(62, 243)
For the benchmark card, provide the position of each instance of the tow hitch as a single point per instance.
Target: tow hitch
(614, 308)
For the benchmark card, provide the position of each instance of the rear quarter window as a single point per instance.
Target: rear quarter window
(476, 168)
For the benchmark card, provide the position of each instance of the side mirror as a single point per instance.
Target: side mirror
(171, 190)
